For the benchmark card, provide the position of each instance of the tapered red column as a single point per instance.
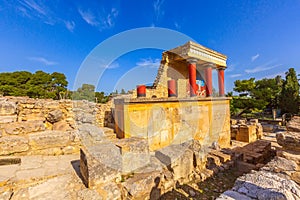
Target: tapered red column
(192, 77)
(208, 81)
(221, 82)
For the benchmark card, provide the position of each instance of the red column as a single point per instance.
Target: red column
(172, 88)
(221, 82)
(192, 78)
(208, 81)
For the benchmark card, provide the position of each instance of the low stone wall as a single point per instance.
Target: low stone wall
(44, 126)
(246, 131)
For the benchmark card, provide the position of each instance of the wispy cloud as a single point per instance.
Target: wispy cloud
(253, 58)
(231, 67)
(70, 25)
(88, 17)
(261, 68)
(158, 12)
(113, 65)
(148, 62)
(34, 6)
(43, 60)
(105, 21)
(282, 74)
(235, 75)
(177, 26)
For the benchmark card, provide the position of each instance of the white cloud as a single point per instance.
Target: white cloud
(70, 25)
(43, 60)
(261, 68)
(149, 62)
(231, 67)
(104, 21)
(253, 58)
(113, 65)
(158, 12)
(34, 6)
(88, 17)
(177, 26)
(235, 75)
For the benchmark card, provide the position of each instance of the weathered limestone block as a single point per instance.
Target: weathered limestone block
(7, 108)
(100, 164)
(8, 118)
(13, 144)
(135, 153)
(141, 186)
(61, 126)
(17, 128)
(110, 190)
(178, 159)
(289, 140)
(247, 133)
(31, 114)
(54, 116)
(268, 127)
(294, 124)
(49, 139)
(267, 185)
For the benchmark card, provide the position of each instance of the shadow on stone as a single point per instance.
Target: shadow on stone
(76, 166)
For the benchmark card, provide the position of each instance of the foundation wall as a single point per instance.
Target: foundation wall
(172, 121)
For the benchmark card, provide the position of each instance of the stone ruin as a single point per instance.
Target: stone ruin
(155, 145)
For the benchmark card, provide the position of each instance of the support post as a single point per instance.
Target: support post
(208, 81)
(221, 82)
(192, 76)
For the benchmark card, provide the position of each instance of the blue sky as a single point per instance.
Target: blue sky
(260, 38)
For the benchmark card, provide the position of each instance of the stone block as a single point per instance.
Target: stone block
(8, 118)
(289, 140)
(254, 121)
(17, 128)
(247, 133)
(140, 186)
(7, 108)
(294, 124)
(135, 153)
(54, 116)
(13, 144)
(100, 164)
(49, 139)
(178, 159)
(259, 131)
(61, 126)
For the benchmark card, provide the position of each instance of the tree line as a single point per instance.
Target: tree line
(254, 96)
(46, 86)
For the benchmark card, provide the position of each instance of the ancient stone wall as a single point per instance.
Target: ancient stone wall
(46, 127)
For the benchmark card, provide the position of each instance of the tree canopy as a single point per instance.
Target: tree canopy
(36, 85)
(266, 94)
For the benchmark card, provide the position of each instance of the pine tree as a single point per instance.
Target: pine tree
(290, 93)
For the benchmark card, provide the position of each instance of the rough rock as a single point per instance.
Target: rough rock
(141, 186)
(135, 153)
(54, 116)
(178, 159)
(100, 163)
(294, 124)
(7, 108)
(87, 194)
(232, 195)
(289, 140)
(26, 127)
(13, 144)
(61, 126)
(110, 191)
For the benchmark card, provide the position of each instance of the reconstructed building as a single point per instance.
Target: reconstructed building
(181, 105)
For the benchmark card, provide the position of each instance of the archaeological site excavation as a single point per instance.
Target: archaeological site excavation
(174, 139)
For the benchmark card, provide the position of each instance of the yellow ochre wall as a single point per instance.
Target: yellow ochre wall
(165, 121)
